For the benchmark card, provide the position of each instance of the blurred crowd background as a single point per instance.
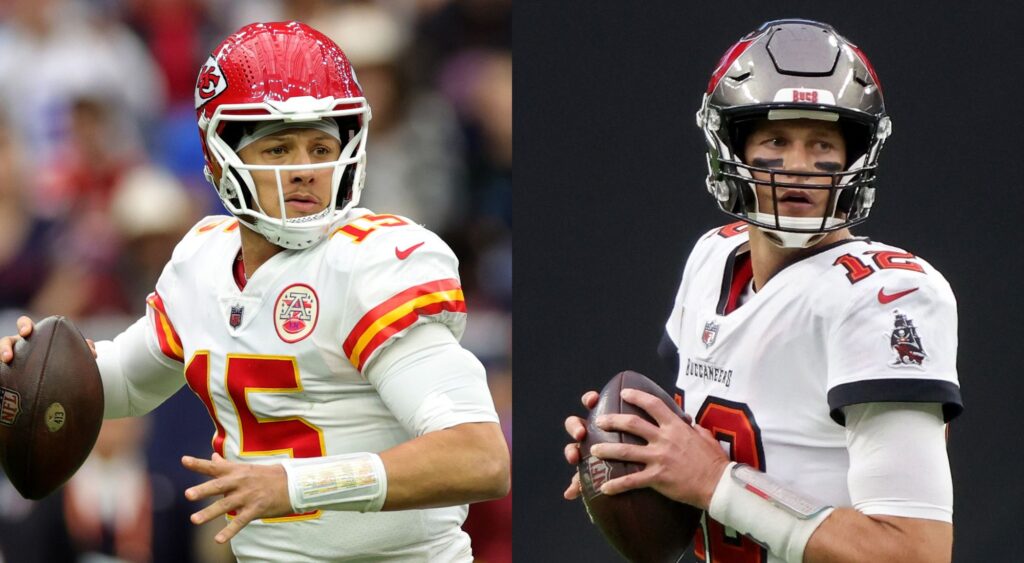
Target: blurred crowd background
(101, 174)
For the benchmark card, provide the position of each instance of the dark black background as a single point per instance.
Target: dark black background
(610, 198)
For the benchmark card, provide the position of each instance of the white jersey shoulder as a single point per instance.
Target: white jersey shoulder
(398, 274)
(876, 311)
(220, 227)
(384, 273)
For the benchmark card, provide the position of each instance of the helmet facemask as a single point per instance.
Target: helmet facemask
(734, 184)
(237, 187)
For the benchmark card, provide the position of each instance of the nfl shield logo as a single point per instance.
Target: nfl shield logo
(10, 406)
(598, 473)
(709, 334)
(236, 316)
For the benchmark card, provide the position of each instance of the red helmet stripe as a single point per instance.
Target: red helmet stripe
(727, 59)
(864, 59)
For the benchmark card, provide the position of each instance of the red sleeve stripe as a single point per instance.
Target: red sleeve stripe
(231, 224)
(399, 313)
(170, 344)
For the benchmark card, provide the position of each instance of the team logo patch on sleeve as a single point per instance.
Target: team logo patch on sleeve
(905, 342)
(296, 312)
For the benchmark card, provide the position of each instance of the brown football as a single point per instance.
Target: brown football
(51, 408)
(643, 525)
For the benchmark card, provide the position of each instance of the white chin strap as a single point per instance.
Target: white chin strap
(298, 233)
(787, 239)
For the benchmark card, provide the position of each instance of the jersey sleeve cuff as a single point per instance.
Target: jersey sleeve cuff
(906, 509)
(895, 390)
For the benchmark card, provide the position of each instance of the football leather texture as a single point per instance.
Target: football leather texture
(51, 408)
(642, 525)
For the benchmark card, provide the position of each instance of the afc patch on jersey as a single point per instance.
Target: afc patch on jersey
(296, 312)
(905, 342)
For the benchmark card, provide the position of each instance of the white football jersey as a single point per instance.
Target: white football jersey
(855, 322)
(279, 366)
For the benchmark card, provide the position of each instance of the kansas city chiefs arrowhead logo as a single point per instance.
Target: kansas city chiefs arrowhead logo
(210, 83)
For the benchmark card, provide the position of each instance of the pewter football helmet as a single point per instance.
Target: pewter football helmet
(794, 69)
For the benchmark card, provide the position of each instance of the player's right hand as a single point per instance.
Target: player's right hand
(576, 427)
(25, 326)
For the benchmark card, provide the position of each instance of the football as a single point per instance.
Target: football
(642, 525)
(51, 408)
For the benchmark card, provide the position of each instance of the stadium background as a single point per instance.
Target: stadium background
(610, 195)
(101, 173)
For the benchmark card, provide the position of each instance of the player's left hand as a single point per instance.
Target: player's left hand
(252, 491)
(682, 462)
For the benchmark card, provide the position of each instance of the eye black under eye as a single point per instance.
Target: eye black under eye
(767, 162)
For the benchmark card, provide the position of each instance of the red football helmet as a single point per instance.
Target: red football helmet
(287, 72)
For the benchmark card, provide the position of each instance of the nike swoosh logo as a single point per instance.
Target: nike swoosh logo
(403, 254)
(884, 298)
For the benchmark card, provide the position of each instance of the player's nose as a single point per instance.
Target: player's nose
(798, 159)
(301, 175)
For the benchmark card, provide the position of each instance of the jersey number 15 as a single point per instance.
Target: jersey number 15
(258, 437)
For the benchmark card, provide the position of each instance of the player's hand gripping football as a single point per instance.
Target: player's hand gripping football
(577, 429)
(25, 326)
(682, 462)
(252, 491)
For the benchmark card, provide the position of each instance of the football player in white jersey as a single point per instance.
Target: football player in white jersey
(819, 367)
(322, 338)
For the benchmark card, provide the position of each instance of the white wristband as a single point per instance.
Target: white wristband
(355, 482)
(753, 504)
